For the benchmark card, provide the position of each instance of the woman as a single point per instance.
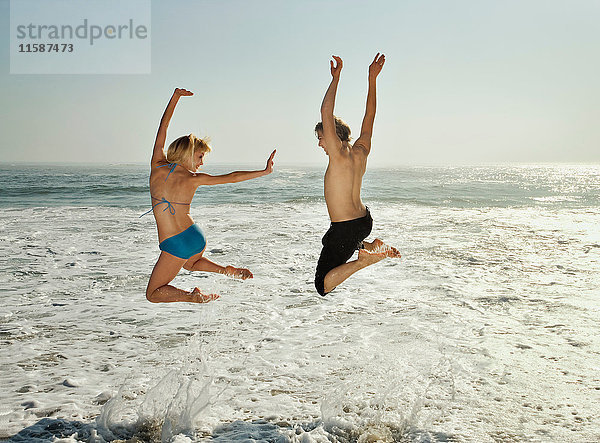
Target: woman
(173, 183)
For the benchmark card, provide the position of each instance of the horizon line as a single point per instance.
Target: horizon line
(311, 164)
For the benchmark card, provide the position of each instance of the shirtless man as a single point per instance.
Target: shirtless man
(351, 220)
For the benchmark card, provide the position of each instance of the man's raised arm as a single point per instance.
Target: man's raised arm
(366, 130)
(331, 138)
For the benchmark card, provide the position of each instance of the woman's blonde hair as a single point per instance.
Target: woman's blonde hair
(184, 148)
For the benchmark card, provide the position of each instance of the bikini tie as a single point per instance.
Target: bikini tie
(170, 207)
(171, 166)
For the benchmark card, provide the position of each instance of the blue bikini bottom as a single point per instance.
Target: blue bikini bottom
(186, 243)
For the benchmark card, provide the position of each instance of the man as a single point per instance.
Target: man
(351, 221)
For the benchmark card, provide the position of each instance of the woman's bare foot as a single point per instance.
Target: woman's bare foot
(379, 247)
(242, 273)
(199, 297)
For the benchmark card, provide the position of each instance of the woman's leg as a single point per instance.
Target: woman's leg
(199, 263)
(165, 270)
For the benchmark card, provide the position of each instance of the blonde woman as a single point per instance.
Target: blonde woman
(173, 183)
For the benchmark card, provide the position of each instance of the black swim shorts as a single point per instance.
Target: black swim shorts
(339, 243)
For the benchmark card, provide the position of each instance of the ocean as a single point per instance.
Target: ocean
(486, 330)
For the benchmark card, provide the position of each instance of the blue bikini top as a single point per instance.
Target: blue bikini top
(163, 200)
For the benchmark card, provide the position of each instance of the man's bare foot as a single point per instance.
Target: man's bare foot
(242, 273)
(199, 297)
(379, 247)
(368, 258)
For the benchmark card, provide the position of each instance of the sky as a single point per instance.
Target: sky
(465, 82)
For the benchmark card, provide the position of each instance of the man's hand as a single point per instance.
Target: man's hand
(269, 167)
(337, 69)
(182, 93)
(376, 66)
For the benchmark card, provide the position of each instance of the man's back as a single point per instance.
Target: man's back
(347, 162)
(351, 222)
(343, 181)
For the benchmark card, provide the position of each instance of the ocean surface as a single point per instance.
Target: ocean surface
(486, 330)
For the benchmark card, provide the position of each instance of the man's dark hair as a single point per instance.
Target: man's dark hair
(341, 129)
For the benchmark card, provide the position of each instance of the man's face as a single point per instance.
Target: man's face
(321, 141)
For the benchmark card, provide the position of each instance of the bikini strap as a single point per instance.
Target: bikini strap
(171, 166)
(170, 206)
(163, 200)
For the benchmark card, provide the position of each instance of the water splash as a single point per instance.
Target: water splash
(386, 404)
(166, 411)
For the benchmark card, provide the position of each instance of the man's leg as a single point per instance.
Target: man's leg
(379, 246)
(365, 258)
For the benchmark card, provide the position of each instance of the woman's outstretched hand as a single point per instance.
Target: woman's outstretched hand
(269, 167)
(179, 92)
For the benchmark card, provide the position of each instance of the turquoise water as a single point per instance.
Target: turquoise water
(127, 186)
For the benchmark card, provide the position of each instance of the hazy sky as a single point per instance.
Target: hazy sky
(465, 82)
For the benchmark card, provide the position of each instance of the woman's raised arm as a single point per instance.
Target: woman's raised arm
(158, 154)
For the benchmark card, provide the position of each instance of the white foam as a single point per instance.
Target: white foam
(454, 340)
